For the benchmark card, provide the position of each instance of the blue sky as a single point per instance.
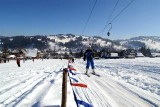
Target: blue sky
(47, 17)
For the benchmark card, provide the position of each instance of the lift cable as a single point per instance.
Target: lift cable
(110, 23)
(89, 17)
(109, 18)
(119, 14)
(122, 10)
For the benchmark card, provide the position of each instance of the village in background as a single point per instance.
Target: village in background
(71, 46)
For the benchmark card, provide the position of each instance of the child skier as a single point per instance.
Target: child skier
(89, 55)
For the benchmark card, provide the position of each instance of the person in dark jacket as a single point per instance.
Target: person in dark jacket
(18, 62)
(72, 60)
(89, 56)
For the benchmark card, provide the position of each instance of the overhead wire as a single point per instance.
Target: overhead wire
(110, 22)
(113, 10)
(89, 17)
(107, 24)
(122, 10)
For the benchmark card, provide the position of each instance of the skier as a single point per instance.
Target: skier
(89, 55)
(72, 60)
(18, 62)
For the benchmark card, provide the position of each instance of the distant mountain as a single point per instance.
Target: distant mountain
(24, 42)
(56, 42)
(75, 41)
(71, 41)
(151, 42)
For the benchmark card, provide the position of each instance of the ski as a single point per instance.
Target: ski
(96, 74)
(88, 75)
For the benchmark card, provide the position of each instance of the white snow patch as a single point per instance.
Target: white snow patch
(122, 83)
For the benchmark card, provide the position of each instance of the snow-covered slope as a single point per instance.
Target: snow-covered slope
(123, 83)
(75, 41)
(35, 84)
(70, 41)
(151, 42)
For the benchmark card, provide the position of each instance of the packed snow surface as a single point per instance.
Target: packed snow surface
(122, 83)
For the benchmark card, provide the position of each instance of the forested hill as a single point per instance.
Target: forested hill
(75, 41)
(56, 41)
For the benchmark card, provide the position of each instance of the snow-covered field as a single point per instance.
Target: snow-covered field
(122, 83)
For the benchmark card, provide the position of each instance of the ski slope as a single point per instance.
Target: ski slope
(123, 83)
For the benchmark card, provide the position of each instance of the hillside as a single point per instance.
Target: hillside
(56, 42)
(71, 41)
(151, 42)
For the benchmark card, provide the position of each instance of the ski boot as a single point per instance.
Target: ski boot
(93, 72)
(87, 73)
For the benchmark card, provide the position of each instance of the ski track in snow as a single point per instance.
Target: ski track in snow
(29, 89)
(117, 77)
(122, 83)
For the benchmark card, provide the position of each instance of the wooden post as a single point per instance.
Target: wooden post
(64, 88)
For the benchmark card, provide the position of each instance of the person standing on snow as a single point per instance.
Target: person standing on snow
(72, 60)
(18, 62)
(89, 55)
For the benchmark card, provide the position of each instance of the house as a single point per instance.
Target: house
(130, 53)
(11, 56)
(15, 52)
(139, 54)
(31, 53)
(155, 54)
(114, 55)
